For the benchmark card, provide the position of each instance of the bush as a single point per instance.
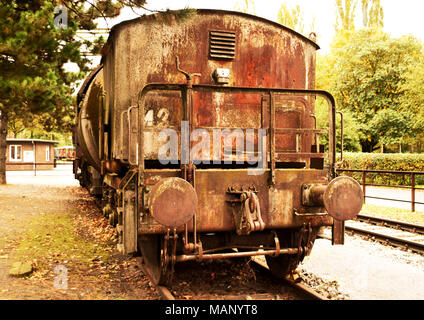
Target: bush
(384, 161)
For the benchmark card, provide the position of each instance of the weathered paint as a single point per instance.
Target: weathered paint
(88, 127)
(266, 55)
(172, 202)
(339, 192)
(280, 206)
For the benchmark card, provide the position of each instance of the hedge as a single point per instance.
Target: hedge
(384, 161)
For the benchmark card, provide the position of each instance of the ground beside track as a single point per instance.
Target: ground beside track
(50, 222)
(362, 269)
(367, 270)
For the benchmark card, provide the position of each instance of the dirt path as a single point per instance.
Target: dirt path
(54, 225)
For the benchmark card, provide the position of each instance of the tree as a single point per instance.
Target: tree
(291, 17)
(372, 14)
(246, 6)
(413, 99)
(370, 78)
(33, 51)
(392, 126)
(345, 19)
(350, 129)
(326, 79)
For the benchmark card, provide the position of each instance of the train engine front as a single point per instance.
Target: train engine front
(199, 136)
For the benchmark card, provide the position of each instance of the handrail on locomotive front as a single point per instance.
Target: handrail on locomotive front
(186, 91)
(137, 163)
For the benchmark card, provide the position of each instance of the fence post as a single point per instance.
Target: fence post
(413, 193)
(364, 180)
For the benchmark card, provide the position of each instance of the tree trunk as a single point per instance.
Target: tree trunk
(3, 146)
(367, 146)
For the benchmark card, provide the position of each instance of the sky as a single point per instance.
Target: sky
(400, 17)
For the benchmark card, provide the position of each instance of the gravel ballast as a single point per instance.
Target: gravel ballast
(364, 270)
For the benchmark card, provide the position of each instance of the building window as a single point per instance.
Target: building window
(47, 153)
(15, 153)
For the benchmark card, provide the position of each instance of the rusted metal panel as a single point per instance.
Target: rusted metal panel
(172, 202)
(338, 232)
(129, 223)
(299, 135)
(343, 198)
(281, 207)
(88, 121)
(147, 48)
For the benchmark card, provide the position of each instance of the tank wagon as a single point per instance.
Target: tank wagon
(65, 153)
(200, 138)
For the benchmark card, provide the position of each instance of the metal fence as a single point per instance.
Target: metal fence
(412, 185)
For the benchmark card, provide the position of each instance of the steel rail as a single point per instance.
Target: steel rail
(300, 287)
(415, 246)
(394, 224)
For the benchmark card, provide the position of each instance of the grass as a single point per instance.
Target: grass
(393, 213)
(52, 239)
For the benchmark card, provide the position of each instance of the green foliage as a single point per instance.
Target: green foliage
(393, 126)
(245, 6)
(32, 54)
(413, 99)
(372, 14)
(368, 72)
(345, 14)
(384, 161)
(371, 74)
(34, 86)
(291, 17)
(376, 78)
(350, 128)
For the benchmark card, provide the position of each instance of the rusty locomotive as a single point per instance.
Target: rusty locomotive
(200, 139)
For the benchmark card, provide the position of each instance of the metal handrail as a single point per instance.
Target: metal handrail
(234, 89)
(412, 187)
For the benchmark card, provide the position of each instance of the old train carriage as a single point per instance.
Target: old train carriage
(200, 137)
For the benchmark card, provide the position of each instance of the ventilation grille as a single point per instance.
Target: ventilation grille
(222, 45)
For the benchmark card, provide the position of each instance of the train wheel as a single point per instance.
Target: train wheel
(153, 260)
(281, 266)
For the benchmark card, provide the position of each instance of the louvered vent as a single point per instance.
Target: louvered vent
(222, 45)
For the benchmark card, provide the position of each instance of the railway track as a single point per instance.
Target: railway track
(389, 232)
(394, 224)
(301, 288)
(261, 286)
